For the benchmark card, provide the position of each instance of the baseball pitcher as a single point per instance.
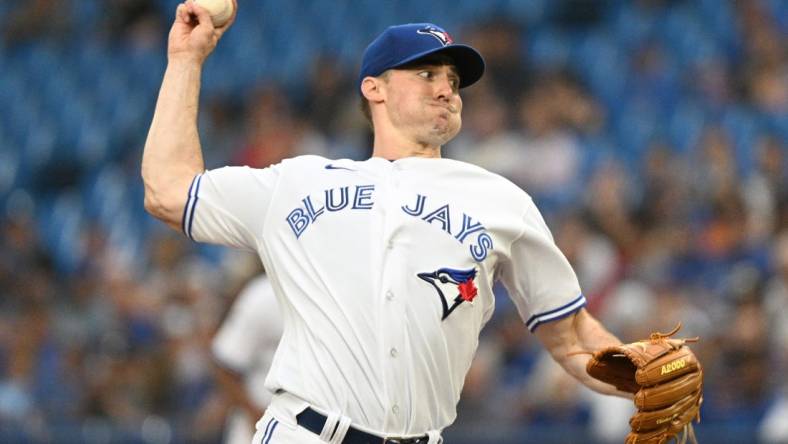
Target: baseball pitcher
(384, 268)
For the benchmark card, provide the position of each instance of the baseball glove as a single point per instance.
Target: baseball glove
(666, 379)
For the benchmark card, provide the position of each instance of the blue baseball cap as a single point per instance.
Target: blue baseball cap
(402, 44)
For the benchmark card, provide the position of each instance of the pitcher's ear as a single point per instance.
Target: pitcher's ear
(371, 88)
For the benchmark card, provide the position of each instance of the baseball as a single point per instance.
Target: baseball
(220, 10)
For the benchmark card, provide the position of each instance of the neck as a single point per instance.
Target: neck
(393, 146)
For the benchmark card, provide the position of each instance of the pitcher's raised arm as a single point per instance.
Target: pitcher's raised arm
(172, 155)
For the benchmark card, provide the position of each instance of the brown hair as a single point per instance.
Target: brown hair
(363, 105)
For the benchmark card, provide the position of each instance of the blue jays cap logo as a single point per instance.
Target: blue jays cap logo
(401, 44)
(457, 284)
(438, 33)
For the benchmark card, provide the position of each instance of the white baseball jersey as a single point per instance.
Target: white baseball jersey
(384, 273)
(245, 344)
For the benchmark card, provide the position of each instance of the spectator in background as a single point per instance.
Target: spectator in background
(35, 20)
(189, 316)
(762, 190)
(608, 201)
(774, 426)
(18, 403)
(664, 182)
(136, 22)
(738, 380)
(224, 131)
(244, 348)
(330, 106)
(767, 87)
(775, 301)
(652, 82)
(660, 216)
(486, 138)
(716, 178)
(551, 114)
(274, 131)
(271, 129)
(766, 61)
(128, 371)
(595, 259)
(506, 72)
(546, 124)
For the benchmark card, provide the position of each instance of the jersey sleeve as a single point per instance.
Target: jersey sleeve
(538, 277)
(228, 205)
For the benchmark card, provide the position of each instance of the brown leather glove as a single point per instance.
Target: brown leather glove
(667, 381)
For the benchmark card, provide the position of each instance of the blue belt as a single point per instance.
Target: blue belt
(314, 422)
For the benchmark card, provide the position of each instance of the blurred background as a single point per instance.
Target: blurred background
(651, 133)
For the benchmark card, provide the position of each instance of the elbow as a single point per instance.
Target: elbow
(155, 201)
(162, 210)
(153, 205)
(165, 196)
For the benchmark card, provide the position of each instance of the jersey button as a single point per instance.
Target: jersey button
(395, 409)
(389, 295)
(393, 352)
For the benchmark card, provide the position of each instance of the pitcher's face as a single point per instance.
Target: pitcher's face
(424, 102)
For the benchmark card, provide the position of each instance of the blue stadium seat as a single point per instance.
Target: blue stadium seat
(743, 127)
(87, 15)
(685, 125)
(9, 167)
(529, 12)
(549, 48)
(685, 34)
(62, 220)
(603, 65)
(635, 128)
(721, 20)
(93, 143)
(105, 193)
(125, 236)
(40, 145)
(632, 25)
(778, 124)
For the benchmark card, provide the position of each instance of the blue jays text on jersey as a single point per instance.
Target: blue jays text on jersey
(372, 266)
(361, 197)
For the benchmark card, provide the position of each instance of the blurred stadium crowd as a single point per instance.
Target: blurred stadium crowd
(652, 134)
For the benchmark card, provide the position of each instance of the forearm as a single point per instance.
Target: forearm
(591, 334)
(570, 342)
(172, 155)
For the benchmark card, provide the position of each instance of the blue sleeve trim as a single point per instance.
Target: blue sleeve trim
(556, 313)
(191, 204)
(194, 205)
(269, 431)
(186, 207)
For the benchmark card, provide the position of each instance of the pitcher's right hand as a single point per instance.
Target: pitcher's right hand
(192, 36)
